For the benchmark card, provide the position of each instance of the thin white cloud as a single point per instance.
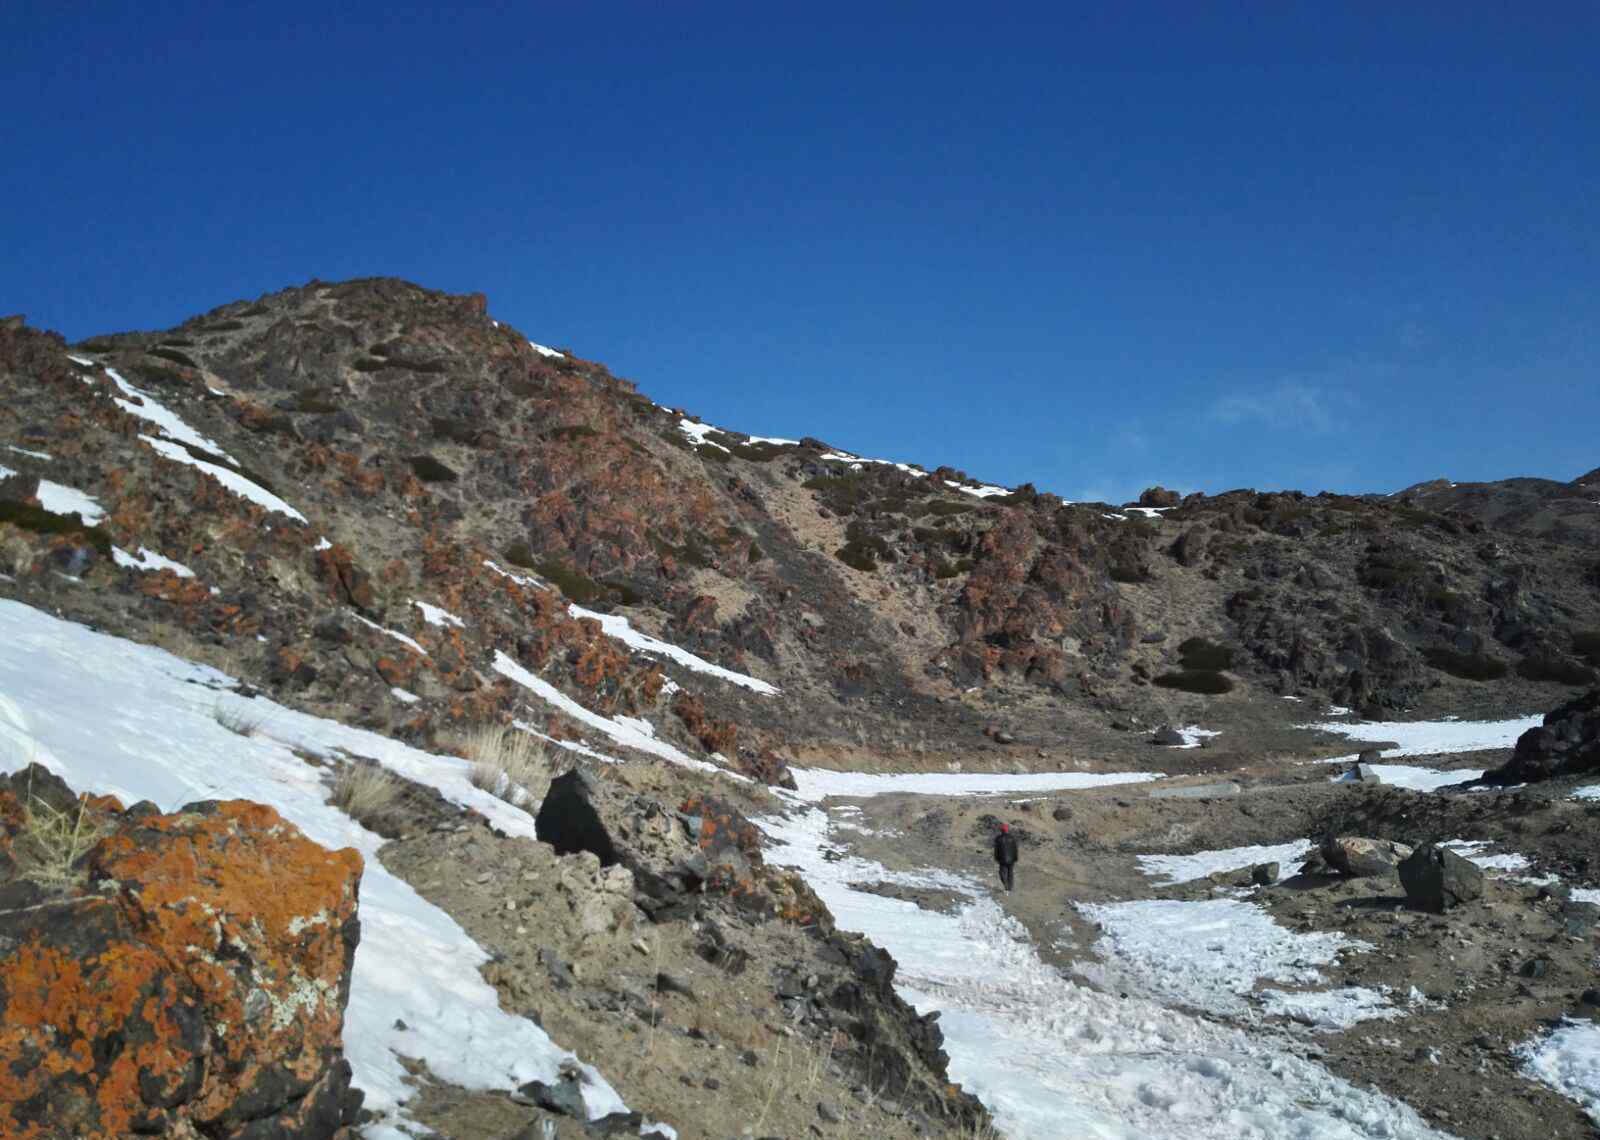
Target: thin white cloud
(1290, 405)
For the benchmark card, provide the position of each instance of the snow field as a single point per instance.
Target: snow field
(153, 732)
(1209, 955)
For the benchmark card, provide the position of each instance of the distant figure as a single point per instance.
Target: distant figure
(1005, 854)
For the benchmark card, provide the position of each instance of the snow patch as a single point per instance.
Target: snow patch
(433, 615)
(228, 477)
(63, 500)
(404, 696)
(1175, 869)
(1208, 954)
(1424, 737)
(148, 559)
(141, 404)
(623, 730)
(519, 579)
(400, 637)
(1568, 1060)
(697, 433)
(25, 451)
(543, 351)
(617, 626)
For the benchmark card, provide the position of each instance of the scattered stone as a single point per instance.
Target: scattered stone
(828, 1113)
(1061, 813)
(1167, 735)
(563, 1097)
(1358, 857)
(1436, 878)
(1264, 874)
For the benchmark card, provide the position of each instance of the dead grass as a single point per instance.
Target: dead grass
(52, 840)
(237, 715)
(512, 764)
(367, 793)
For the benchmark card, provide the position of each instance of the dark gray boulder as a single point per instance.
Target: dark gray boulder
(1436, 878)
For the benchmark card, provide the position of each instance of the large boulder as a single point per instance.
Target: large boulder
(671, 854)
(187, 976)
(1361, 858)
(1436, 878)
(1567, 744)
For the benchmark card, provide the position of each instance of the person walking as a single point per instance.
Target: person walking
(1005, 854)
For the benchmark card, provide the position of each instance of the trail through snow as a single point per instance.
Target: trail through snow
(1052, 1058)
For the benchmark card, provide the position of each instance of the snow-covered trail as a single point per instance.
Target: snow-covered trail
(111, 716)
(1052, 1058)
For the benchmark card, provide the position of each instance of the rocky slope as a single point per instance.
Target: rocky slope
(909, 615)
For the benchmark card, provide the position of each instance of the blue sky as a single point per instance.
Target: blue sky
(1245, 245)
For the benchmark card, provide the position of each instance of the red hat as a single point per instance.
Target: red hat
(1005, 827)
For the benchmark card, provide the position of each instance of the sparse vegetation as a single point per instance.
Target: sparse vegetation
(574, 583)
(1468, 666)
(757, 452)
(863, 550)
(368, 793)
(511, 764)
(1558, 670)
(1205, 681)
(943, 508)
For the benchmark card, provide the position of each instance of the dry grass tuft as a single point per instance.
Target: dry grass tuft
(52, 840)
(367, 793)
(509, 763)
(238, 716)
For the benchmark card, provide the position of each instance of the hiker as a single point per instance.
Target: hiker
(1005, 854)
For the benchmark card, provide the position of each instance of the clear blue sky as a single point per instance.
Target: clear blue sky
(1261, 245)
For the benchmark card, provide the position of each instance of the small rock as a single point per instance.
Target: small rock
(1062, 812)
(1167, 735)
(1264, 874)
(642, 946)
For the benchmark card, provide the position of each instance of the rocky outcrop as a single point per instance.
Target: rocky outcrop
(1567, 744)
(671, 855)
(186, 975)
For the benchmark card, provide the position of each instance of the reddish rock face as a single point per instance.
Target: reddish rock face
(196, 980)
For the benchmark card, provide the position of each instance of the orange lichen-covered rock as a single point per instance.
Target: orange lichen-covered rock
(197, 985)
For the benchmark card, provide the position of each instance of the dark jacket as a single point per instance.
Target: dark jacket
(1005, 848)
